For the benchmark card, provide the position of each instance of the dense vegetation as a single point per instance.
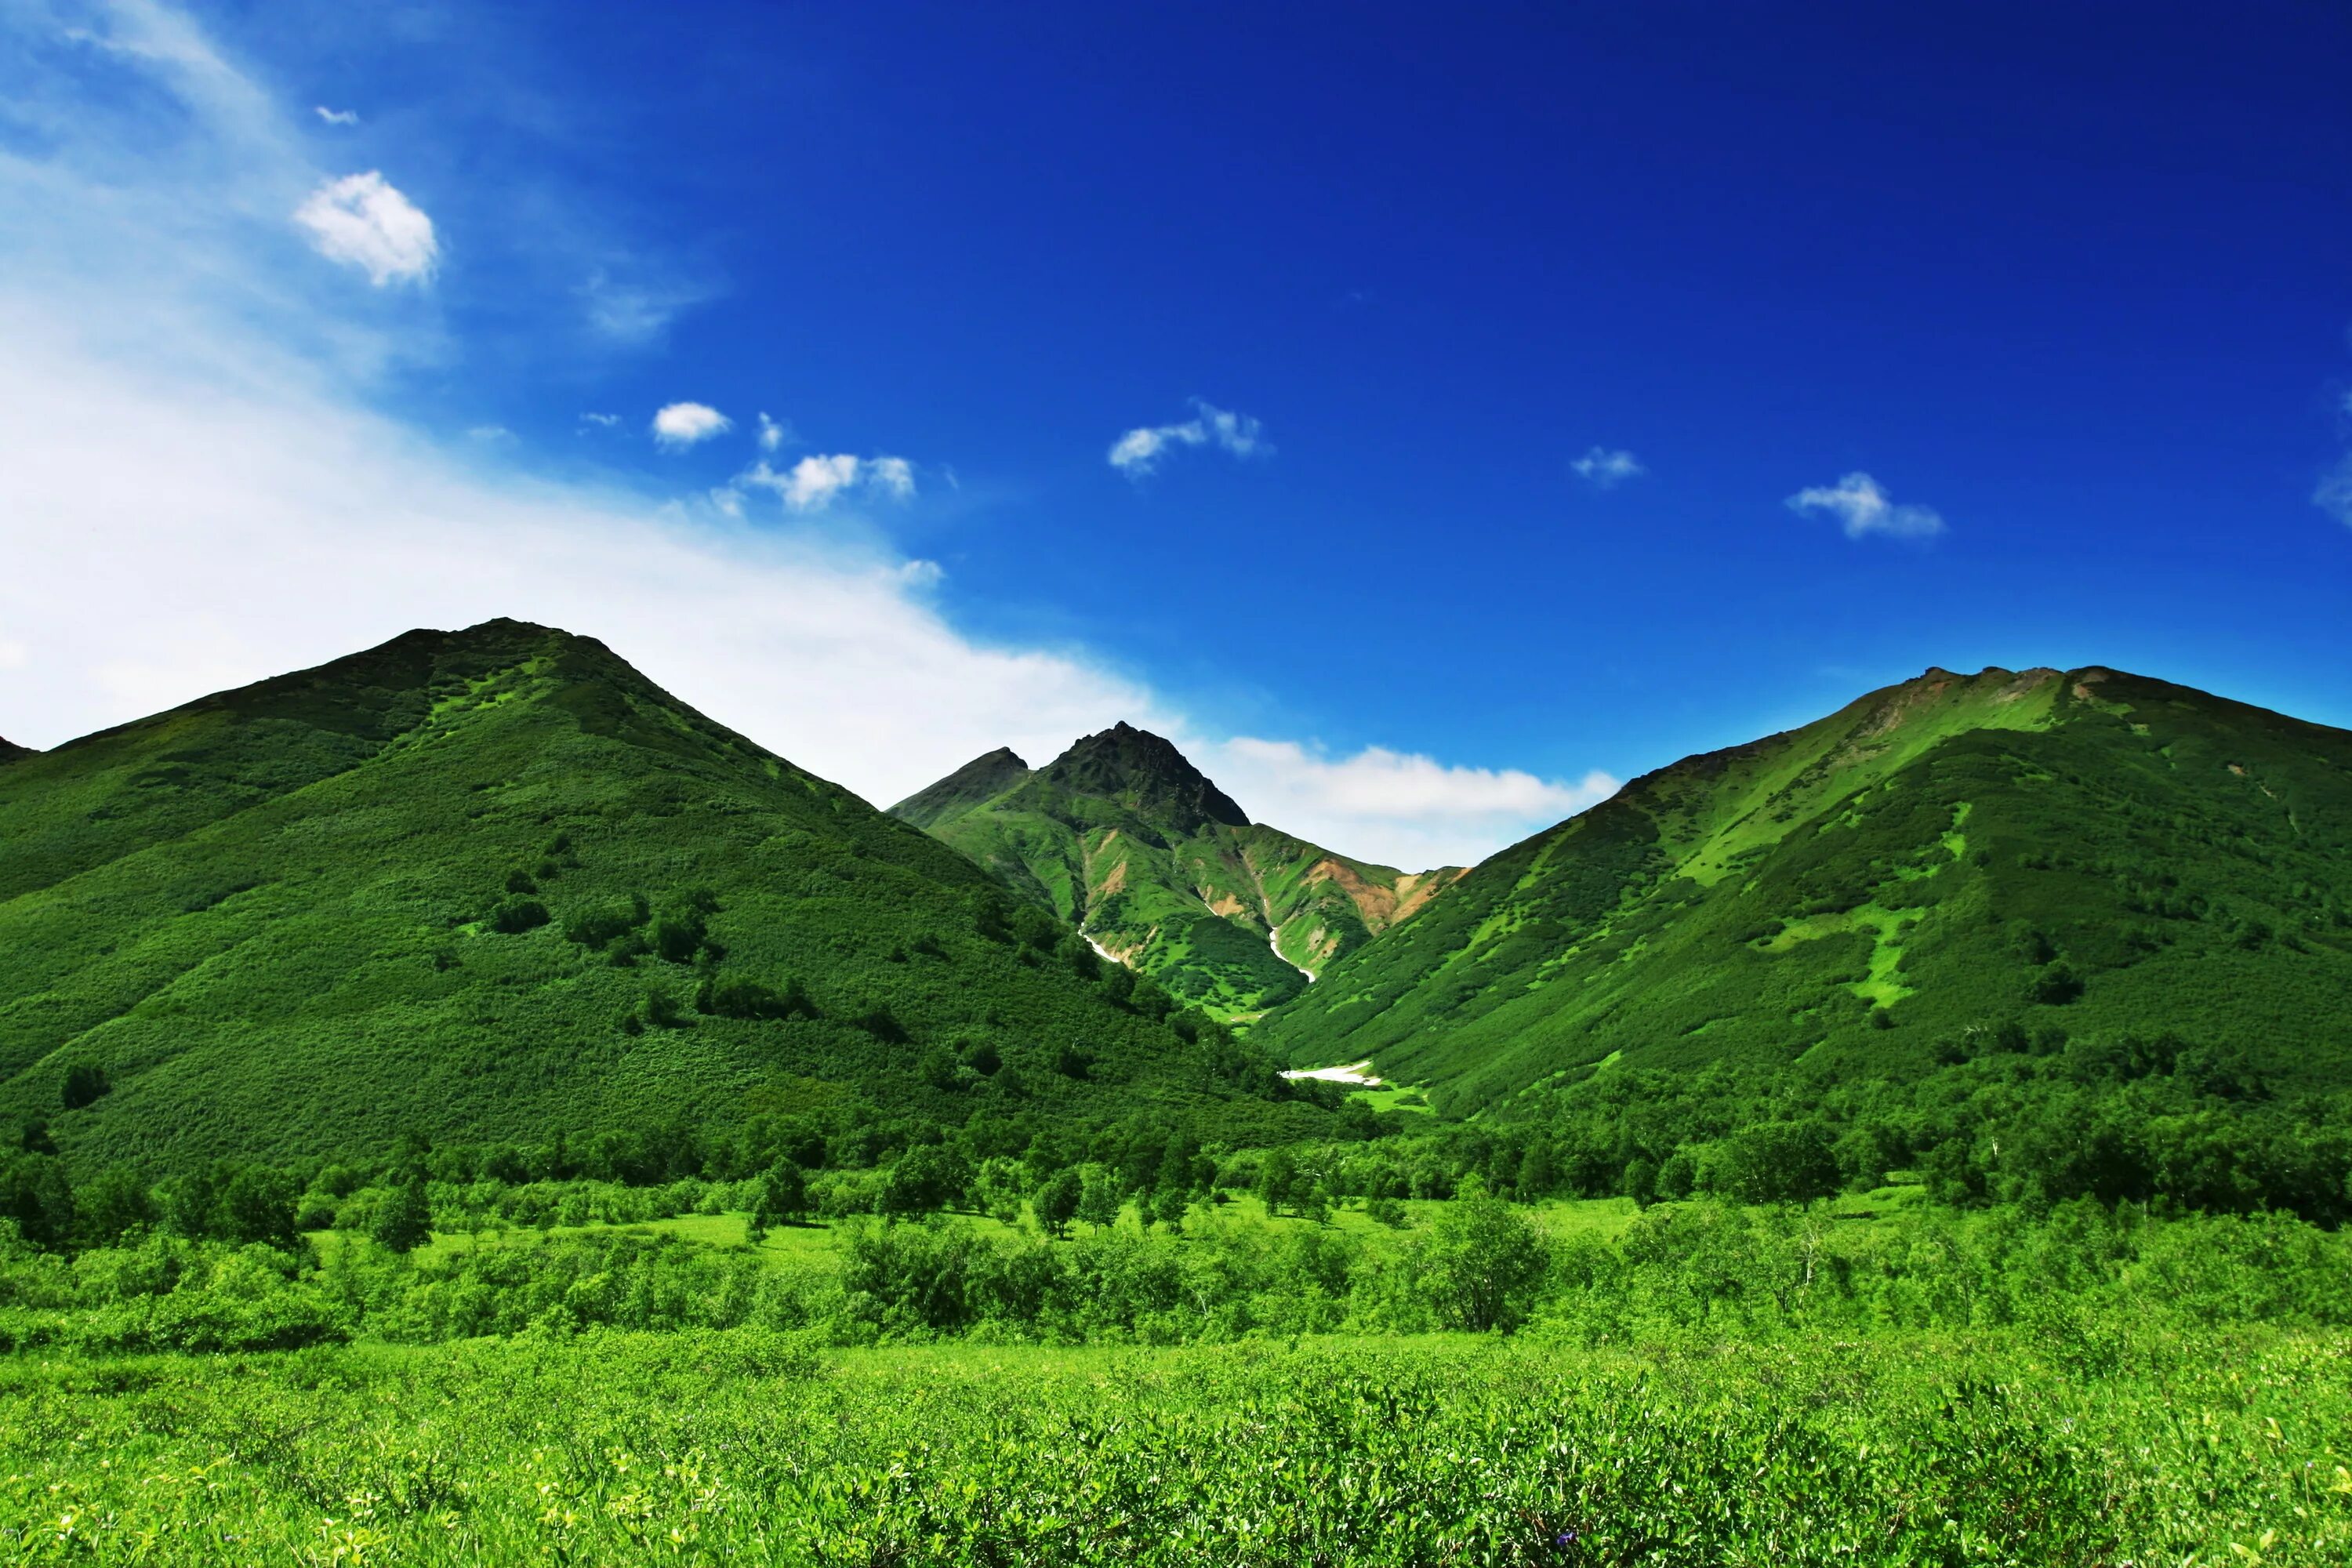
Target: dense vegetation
(2090, 855)
(1708, 1384)
(494, 885)
(1124, 838)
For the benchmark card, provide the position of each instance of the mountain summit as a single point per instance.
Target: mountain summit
(2087, 860)
(1146, 774)
(1163, 870)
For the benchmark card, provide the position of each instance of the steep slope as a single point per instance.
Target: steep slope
(2092, 852)
(494, 884)
(10, 751)
(1124, 837)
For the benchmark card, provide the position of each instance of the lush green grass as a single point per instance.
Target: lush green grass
(749, 1446)
(473, 884)
(2093, 853)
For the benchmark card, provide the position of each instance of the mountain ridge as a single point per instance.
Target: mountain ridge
(494, 883)
(1950, 854)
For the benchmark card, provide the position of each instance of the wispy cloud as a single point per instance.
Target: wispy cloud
(1604, 469)
(363, 221)
(679, 426)
(1138, 451)
(1862, 508)
(336, 116)
(602, 421)
(772, 434)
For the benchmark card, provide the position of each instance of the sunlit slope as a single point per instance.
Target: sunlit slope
(1124, 837)
(494, 884)
(2089, 851)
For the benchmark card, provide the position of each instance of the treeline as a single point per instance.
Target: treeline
(2072, 1274)
(2001, 1116)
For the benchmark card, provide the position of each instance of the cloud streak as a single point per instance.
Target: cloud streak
(1140, 451)
(1861, 507)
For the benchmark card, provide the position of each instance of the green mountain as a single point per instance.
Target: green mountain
(1949, 859)
(10, 751)
(976, 782)
(1123, 838)
(494, 885)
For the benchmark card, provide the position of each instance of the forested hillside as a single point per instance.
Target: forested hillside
(494, 885)
(1126, 839)
(1958, 865)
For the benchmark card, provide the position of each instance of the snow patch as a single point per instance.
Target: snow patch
(1359, 1074)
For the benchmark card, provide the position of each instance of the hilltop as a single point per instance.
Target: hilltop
(2014, 856)
(1125, 838)
(495, 884)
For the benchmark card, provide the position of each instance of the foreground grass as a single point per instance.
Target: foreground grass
(753, 1447)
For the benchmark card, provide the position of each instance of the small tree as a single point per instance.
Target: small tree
(1277, 1173)
(85, 1084)
(1484, 1261)
(403, 1220)
(783, 1199)
(1099, 1199)
(1056, 1201)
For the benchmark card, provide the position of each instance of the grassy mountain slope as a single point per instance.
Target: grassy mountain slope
(474, 883)
(10, 751)
(1124, 837)
(2093, 851)
(976, 782)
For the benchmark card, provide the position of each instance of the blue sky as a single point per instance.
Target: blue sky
(2070, 285)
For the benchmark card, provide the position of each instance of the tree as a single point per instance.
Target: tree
(1278, 1174)
(926, 1178)
(34, 1193)
(783, 1199)
(1484, 1261)
(1099, 1196)
(1056, 1201)
(85, 1084)
(256, 1204)
(1777, 1163)
(112, 1204)
(403, 1220)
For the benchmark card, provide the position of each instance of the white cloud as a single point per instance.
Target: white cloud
(363, 221)
(338, 116)
(602, 421)
(1861, 507)
(491, 434)
(679, 426)
(1398, 808)
(772, 435)
(819, 480)
(1139, 452)
(1606, 469)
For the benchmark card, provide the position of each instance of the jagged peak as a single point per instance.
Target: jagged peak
(1147, 771)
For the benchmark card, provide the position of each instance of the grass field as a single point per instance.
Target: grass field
(753, 1446)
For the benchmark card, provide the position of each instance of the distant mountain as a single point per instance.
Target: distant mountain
(1940, 862)
(1127, 839)
(495, 885)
